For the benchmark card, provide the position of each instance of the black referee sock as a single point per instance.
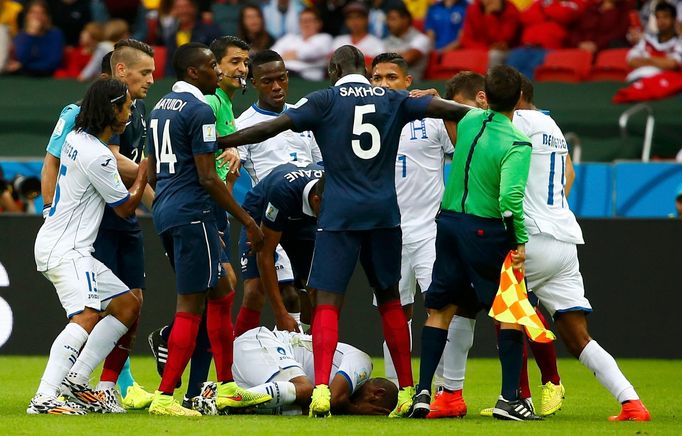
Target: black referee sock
(433, 343)
(510, 346)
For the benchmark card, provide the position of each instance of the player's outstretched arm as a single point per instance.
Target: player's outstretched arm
(208, 178)
(256, 133)
(136, 191)
(446, 109)
(48, 179)
(266, 266)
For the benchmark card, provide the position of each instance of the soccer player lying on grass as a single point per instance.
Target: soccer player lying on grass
(88, 178)
(281, 364)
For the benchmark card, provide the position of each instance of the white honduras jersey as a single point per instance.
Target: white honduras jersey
(419, 176)
(259, 159)
(88, 177)
(545, 205)
(353, 364)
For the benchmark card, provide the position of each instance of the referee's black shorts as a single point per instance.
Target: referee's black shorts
(470, 251)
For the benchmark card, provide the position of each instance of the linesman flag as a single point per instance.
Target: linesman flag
(511, 304)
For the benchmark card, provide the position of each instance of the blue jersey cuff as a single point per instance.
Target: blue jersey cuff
(119, 202)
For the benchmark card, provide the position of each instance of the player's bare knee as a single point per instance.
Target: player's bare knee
(290, 298)
(572, 327)
(387, 294)
(87, 319)
(440, 318)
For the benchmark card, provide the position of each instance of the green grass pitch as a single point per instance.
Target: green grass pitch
(585, 409)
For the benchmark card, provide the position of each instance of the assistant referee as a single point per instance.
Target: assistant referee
(487, 181)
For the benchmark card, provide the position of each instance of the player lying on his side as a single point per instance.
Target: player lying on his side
(280, 364)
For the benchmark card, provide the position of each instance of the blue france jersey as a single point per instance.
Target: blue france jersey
(280, 200)
(180, 127)
(357, 127)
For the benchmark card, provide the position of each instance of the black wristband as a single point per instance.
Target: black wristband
(47, 206)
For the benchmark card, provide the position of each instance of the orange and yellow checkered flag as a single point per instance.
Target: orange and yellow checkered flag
(511, 304)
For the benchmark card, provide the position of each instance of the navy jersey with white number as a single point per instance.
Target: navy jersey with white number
(280, 200)
(357, 127)
(180, 126)
(131, 145)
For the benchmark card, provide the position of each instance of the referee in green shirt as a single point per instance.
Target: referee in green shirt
(487, 182)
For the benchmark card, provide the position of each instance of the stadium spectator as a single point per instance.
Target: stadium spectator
(188, 28)
(5, 43)
(39, 47)
(444, 22)
(417, 8)
(407, 41)
(544, 27)
(9, 15)
(493, 25)
(70, 16)
(114, 31)
(648, 18)
(357, 22)
(226, 15)
(377, 16)
(333, 19)
(306, 53)
(604, 24)
(77, 58)
(657, 53)
(252, 29)
(281, 16)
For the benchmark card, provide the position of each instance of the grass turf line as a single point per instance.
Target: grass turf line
(585, 409)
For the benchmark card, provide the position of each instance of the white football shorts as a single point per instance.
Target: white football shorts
(84, 282)
(553, 274)
(261, 357)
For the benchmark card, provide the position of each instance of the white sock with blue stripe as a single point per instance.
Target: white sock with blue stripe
(63, 355)
(282, 393)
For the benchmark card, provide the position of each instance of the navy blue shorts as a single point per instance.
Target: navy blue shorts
(337, 252)
(122, 251)
(470, 252)
(300, 254)
(249, 262)
(193, 251)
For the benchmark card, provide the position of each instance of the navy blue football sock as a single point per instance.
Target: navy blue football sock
(510, 346)
(201, 361)
(433, 343)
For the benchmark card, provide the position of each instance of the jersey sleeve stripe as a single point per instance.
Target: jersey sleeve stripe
(350, 383)
(119, 202)
(523, 143)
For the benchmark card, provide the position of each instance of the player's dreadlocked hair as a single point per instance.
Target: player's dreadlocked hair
(97, 110)
(220, 45)
(391, 58)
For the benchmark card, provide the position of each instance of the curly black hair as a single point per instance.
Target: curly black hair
(97, 109)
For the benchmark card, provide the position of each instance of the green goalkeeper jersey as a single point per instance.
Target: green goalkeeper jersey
(489, 169)
(222, 108)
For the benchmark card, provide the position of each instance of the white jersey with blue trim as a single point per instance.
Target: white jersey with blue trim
(261, 158)
(545, 205)
(354, 365)
(88, 178)
(419, 176)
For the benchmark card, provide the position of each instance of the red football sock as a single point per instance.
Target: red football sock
(397, 336)
(524, 388)
(247, 319)
(545, 356)
(221, 334)
(117, 357)
(325, 339)
(181, 344)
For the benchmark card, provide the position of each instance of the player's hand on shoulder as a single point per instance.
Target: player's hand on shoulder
(424, 92)
(254, 235)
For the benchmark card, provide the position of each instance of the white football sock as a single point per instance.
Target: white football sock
(282, 393)
(452, 366)
(605, 368)
(389, 368)
(102, 340)
(63, 354)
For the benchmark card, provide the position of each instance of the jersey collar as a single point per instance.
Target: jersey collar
(352, 78)
(307, 209)
(260, 110)
(182, 86)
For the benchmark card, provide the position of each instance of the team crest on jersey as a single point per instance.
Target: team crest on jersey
(361, 378)
(209, 132)
(271, 212)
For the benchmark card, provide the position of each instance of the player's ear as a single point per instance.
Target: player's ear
(120, 70)
(408, 80)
